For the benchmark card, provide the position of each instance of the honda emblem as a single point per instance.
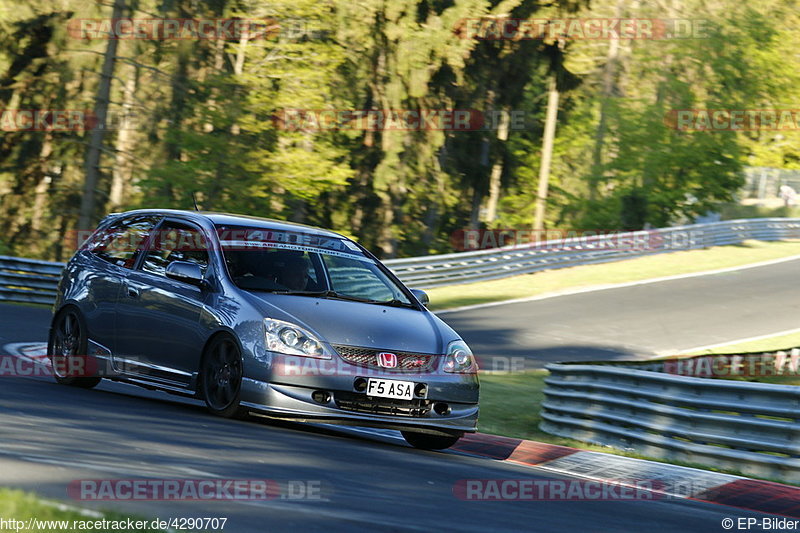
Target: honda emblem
(387, 360)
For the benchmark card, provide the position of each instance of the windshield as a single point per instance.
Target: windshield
(295, 263)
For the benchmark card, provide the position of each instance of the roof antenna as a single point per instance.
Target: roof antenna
(194, 200)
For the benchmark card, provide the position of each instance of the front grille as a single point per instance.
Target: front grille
(353, 401)
(407, 362)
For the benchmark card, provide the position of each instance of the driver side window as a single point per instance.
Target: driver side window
(175, 241)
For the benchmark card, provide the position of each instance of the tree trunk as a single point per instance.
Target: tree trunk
(478, 187)
(87, 210)
(179, 86)
(547, 154)
(497, 168)
(122, 174)
(238, 69)
(386, 240)
(40, 193)
(609, 88)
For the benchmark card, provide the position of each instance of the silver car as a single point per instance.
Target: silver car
(257, 315)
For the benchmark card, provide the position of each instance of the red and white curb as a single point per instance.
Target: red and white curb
(695, 484)
(32, 351)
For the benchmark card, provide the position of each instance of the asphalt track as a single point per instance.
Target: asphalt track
(51, 435)
(637, 321)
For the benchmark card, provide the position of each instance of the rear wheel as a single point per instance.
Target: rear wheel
(221, 378)
(68, 342)
(425, 441)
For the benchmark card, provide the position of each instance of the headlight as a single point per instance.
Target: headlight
(291, 339)
(459, 359)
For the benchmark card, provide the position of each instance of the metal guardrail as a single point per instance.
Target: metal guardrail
(27, 280)
(450, 269)
(737, 425)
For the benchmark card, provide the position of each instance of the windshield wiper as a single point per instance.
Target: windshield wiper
(393, 303)
(397, 303)
(298, 293)
(338, 296)
(322, 294)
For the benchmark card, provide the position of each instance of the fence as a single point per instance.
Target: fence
(28, 280)
(450, 269)
(25, 280)
(737, 425)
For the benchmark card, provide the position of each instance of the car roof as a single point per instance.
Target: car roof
(229, 219)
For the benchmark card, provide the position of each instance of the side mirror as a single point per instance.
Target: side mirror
(186, 272)
(422, 296)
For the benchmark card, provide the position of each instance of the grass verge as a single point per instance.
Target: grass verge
(629, 270)
(767, 210)
(51, 516)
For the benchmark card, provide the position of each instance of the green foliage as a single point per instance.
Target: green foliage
(655, 174)
(208, 117)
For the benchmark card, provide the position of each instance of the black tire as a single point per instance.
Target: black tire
(68, 338)
(425, 441)
(221, 378)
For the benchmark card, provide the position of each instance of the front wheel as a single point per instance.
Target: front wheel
(425, 441)
(67, 348)
(221, 378)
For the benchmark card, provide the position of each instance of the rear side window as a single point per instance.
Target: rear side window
(175, 241)
(121, 242)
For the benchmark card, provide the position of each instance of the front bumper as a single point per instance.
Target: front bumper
(449, 405)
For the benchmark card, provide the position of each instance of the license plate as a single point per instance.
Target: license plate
(389, 388)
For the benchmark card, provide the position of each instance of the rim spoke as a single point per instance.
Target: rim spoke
(58, 342)
(64, 342)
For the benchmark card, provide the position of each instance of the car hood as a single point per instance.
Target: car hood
(360, 324)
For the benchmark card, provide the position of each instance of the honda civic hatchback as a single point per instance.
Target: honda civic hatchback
(256, 315)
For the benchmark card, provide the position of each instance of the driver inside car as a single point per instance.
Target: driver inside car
(294, 274)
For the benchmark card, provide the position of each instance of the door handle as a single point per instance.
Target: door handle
(133, 292)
